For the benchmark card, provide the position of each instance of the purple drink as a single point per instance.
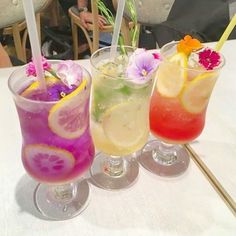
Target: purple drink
(74, 154)
(57, 147)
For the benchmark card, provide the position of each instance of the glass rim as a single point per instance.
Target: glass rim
(163, 58)
(17, 95)
(103, 49)
(111, 77)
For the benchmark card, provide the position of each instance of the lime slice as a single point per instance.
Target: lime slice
(125, 123)
(196, 94)
(69, 117)
(47, 163)
(171, 75)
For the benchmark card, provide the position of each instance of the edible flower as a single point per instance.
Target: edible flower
(141, 64)
(209, 58)
(30, 67)
(188, 44)
(69, 72)
(57, 91)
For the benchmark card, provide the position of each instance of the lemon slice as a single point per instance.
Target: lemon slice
(171, 75)
(196, 94)
(47, 163)
(34, 86)
(125, 123)
(69, 117)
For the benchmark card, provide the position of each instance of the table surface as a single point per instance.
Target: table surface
(185, 205)
(216, 146)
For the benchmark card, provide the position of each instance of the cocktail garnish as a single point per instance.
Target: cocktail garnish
(30, 67)
(156, 55)
(67, 118)
(69, 72)
(188, 44)
(172, 81)
(141, 64)
(209, 58)
(58, 91)
(196, 95)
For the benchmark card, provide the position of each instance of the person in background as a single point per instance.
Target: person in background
(204, 20)
(86, 15)
(4, 58)
(84, 10)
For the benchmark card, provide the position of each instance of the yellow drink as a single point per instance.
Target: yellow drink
(120, 96)
(123, 129)
(119, 121)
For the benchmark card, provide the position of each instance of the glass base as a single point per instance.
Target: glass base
(114, 173)
(63, 205)
(169, 164)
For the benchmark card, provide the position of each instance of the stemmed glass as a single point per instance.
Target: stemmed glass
(57, 147)
(177, 109)
(119, 118)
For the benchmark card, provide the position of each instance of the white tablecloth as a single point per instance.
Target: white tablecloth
(216, 146)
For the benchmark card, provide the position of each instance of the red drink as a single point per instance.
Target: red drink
(171, 122)
(185, 79)
(180, 97)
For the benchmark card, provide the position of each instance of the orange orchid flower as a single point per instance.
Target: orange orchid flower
(188, 44)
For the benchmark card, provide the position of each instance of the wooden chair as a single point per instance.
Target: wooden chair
(13, 23)
(92, 32)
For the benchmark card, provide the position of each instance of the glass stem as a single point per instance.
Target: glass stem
(165, 153)
(63, 193)
(114, 166)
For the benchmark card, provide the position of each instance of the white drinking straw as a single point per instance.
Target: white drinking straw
(34, 41)
(117, 26)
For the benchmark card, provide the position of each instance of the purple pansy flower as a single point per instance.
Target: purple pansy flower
(57, 91)
(69, 72)
(30, 67)
(141, 63)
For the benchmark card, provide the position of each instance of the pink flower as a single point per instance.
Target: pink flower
(141, 64)
(209, 58)
(30, 67)
(69, 72)
(156, 55)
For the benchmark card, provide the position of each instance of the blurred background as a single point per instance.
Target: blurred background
(63, 34)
